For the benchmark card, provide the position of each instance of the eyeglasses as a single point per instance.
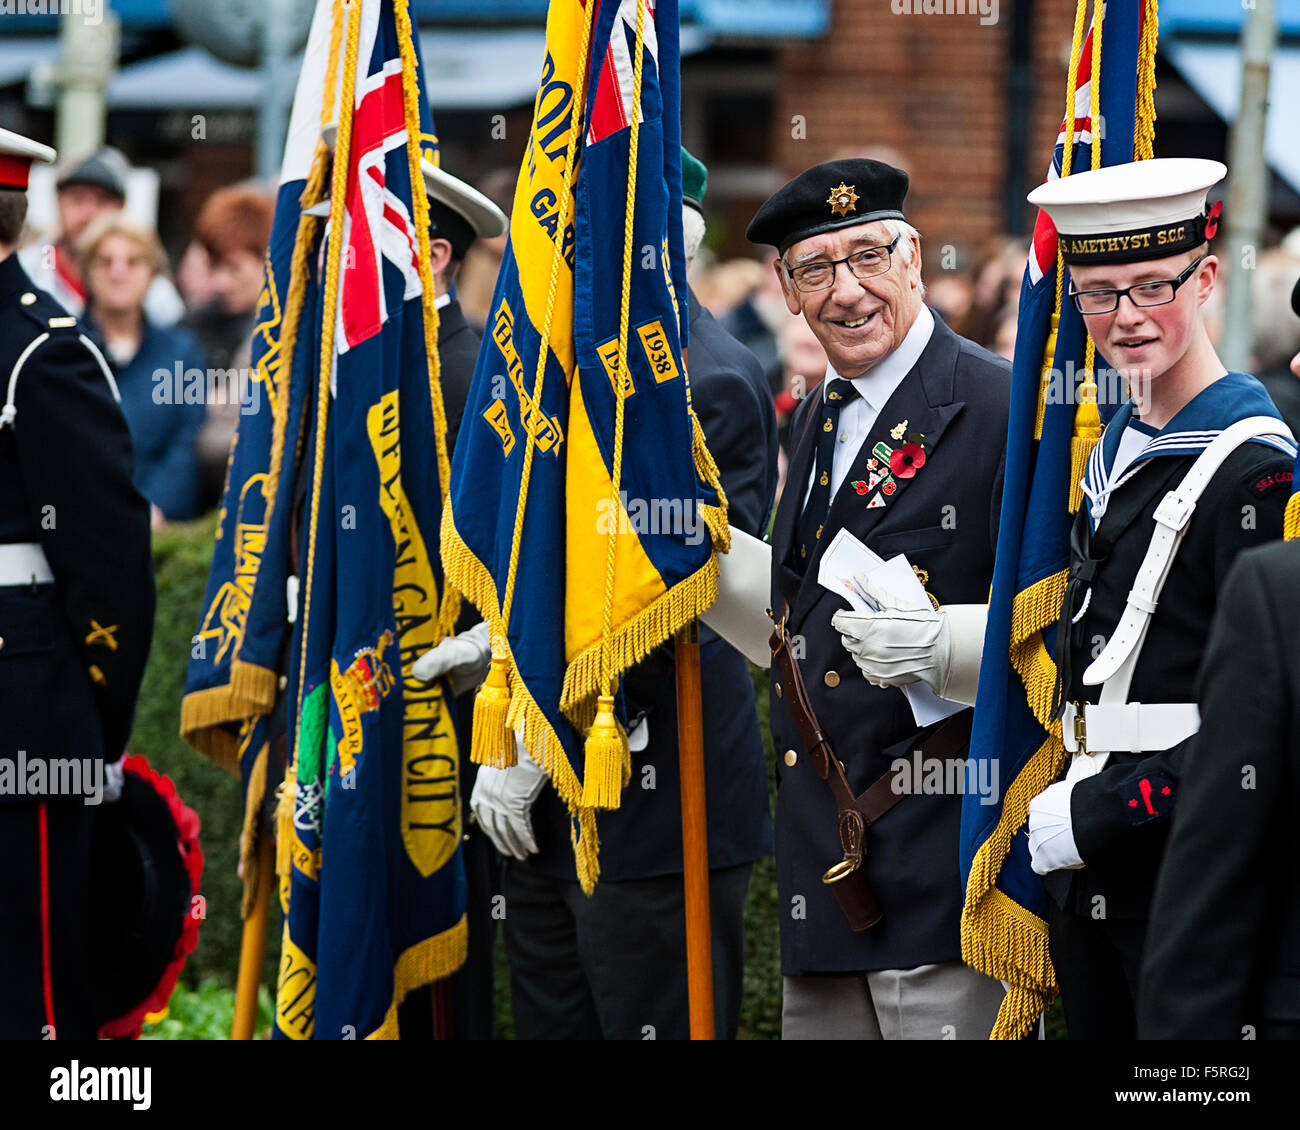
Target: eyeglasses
(812, 277)
(1155, 293)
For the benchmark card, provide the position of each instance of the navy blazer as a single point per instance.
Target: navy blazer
(72, 653)
(945, 520)
(643, 837)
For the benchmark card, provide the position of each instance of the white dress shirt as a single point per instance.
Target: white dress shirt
(875, 387)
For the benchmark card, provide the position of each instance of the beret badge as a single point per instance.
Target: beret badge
(843, 199)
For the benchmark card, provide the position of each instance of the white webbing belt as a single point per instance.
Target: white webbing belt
(24, 563)
(1115, 724)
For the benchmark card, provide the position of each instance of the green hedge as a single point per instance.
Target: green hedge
(181, 557)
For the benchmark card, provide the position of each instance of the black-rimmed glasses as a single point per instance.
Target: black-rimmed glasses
(811, 277)
(1158, 292)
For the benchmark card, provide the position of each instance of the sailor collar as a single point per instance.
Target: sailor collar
(1233, 397)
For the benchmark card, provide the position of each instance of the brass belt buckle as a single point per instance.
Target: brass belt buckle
(839, 872)
(1080, 729)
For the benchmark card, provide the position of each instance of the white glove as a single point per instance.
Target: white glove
(897, 645)
(739, 615)
(114, 779)
(502, 803)
(464, 659)
(1051, 832)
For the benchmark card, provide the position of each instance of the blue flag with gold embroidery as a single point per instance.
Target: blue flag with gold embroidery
(1053, 426)
(348, 458)
(585, 508)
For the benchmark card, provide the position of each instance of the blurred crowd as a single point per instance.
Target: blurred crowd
(177, 333)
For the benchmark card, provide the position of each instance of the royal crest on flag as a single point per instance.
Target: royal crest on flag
(585, 508)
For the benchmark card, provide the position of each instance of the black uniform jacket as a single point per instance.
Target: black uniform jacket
(643, 837)
(1120, 836)
(1223, 948)
(945, 520)
(73, 652)
(458, 344)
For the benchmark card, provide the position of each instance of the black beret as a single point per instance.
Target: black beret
(837, 194)
(446, 223)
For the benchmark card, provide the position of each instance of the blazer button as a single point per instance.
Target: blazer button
(777, 687)
(831, 678)
(790, 757)
(2, 643)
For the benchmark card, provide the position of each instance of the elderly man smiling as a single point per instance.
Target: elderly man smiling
(902, 447)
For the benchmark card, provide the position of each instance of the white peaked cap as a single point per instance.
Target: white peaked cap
(1135, 211)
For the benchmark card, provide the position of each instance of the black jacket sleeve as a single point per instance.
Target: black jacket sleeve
(94, 524)
(1216, 885)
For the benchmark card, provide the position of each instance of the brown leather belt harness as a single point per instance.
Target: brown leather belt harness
(854, 814)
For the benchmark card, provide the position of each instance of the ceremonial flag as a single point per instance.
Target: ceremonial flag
(240, 649)
(585, 509)
(368, 820)
(1054, 424)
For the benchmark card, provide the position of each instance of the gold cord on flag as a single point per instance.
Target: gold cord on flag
(338, 190)
(493, 741)
(449, 608)
(607, 759)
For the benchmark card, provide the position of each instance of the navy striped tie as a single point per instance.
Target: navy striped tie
(838, 393)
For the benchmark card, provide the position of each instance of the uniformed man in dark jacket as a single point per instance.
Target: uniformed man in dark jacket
(76, 613)
(901, 446)
(1193, 469)
(613, 965)
(1223, 953)
(1228, 896)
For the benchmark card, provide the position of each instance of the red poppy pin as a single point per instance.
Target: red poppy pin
(907, 460)
(859, 486)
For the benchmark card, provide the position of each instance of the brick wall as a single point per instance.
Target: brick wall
(932, 89)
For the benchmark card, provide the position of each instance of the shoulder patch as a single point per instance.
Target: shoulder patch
(1267, 484)
(1149, 798)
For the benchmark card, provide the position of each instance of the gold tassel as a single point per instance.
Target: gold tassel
(606, 759)
(493, 742)
(284, 822)
(1087, 431)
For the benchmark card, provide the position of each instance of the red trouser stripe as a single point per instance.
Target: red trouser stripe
(45, 921)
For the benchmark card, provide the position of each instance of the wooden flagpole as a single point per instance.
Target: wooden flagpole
(695, 840)
(252, 947)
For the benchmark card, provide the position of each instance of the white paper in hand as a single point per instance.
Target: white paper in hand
(844, 558)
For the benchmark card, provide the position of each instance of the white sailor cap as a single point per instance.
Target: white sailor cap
(16, 156)
(1135, 211)
(465, 213)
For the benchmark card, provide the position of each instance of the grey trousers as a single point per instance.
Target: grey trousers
(949, 1001)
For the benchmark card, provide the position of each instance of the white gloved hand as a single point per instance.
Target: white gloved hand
(502, 803)
(464, 659)
(897, 645)
(114, 779)
(1051, 831)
